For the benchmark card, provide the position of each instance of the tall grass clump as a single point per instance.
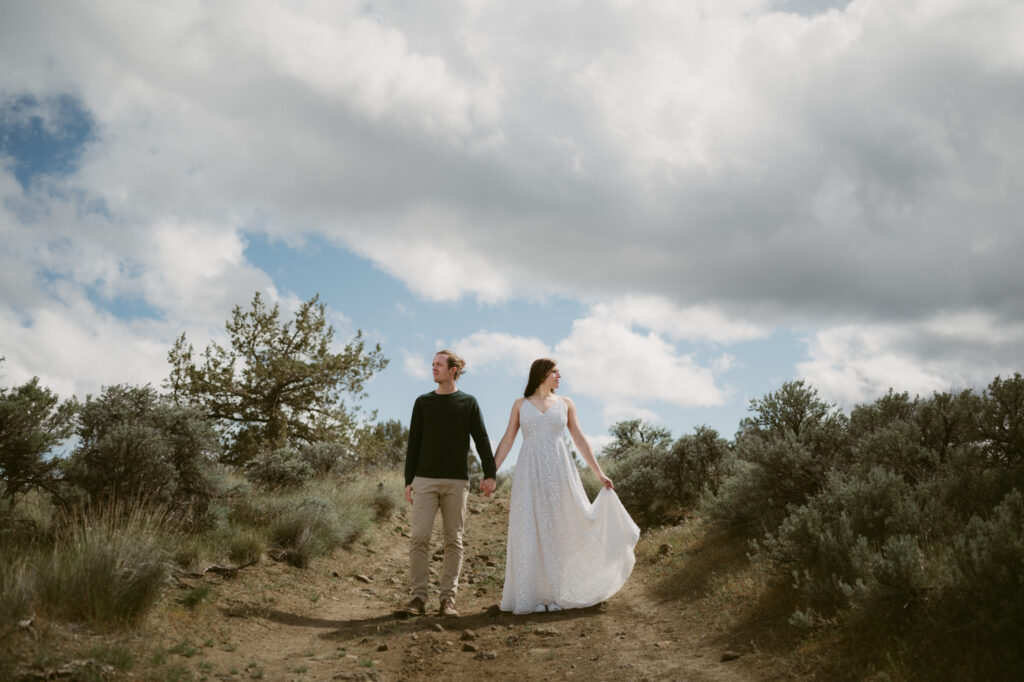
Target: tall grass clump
(14, 593)
(107, 567)
(327, 515)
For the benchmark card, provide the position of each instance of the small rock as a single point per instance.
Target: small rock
(363, 579)
(730, 656)
(335, 574)
(383, 647)
(468, 635)
(486, 655)
(470, 647)
(546, 632)
(438, 627)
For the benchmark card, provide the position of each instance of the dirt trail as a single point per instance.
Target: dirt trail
(326, 622)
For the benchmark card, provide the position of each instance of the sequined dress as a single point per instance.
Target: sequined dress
(563, 551)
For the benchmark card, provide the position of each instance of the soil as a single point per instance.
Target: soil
(336, 620)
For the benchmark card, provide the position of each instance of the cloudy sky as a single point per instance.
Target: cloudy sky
(685, 203)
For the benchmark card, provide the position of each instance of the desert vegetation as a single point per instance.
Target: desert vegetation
(894, 533)
(105, 500)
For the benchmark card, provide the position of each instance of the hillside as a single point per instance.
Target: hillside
(334, 620)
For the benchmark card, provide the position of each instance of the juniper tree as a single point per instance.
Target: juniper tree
(275, 382)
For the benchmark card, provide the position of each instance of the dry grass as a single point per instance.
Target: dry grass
(107, 567)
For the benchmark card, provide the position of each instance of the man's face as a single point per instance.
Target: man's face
(442, 372)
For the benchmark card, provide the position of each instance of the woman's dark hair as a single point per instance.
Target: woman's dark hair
(539, 371)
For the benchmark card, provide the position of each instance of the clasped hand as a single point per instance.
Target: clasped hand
(488, 486)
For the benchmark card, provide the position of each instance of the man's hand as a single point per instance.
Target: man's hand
(487, 486)
(408, 493)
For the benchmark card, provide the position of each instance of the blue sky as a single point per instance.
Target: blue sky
(685, 203)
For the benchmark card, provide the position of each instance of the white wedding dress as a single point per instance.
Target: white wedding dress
(563, 551)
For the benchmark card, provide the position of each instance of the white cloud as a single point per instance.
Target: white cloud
(76, 349)
(198, 272)
(436, 266)
(501, 352)
(619, 362)
(415, 365)
(608, 360)
(854, 364)
(692, 323)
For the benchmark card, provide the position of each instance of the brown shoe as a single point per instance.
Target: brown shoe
(415, 607)
(448, 608)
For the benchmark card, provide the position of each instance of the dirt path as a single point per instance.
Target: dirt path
(335, 621)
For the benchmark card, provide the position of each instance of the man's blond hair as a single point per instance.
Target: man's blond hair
(454, 361)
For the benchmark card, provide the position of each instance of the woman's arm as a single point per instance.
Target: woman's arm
(583, 446)
(505, 444)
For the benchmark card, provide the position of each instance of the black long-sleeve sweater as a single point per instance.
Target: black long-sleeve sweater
(439, 433)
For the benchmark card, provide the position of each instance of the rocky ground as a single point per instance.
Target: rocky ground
(336, 621)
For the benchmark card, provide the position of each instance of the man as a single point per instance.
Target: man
(436, 477)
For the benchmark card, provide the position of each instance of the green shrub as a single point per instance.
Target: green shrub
(32, 424)
(643, 485)
(107, 567)
(280, 468)
(764, 478)
(853, 544)
(591, 484)
(897, 447)
(988, 581)
(1001, 421)
(381, 446)
(135, 445)
(783, 455)
(322, 457)
(658, 482)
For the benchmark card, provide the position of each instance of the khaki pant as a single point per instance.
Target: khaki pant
(428, 495)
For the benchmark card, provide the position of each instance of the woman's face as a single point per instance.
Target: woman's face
(553, 378)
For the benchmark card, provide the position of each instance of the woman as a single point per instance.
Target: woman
(563, 551)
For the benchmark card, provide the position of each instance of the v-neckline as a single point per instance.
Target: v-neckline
(557, 400)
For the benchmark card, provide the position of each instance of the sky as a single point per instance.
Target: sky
(686, 203)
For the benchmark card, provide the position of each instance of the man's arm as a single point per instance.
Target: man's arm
(412, 451)
(482, 442)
